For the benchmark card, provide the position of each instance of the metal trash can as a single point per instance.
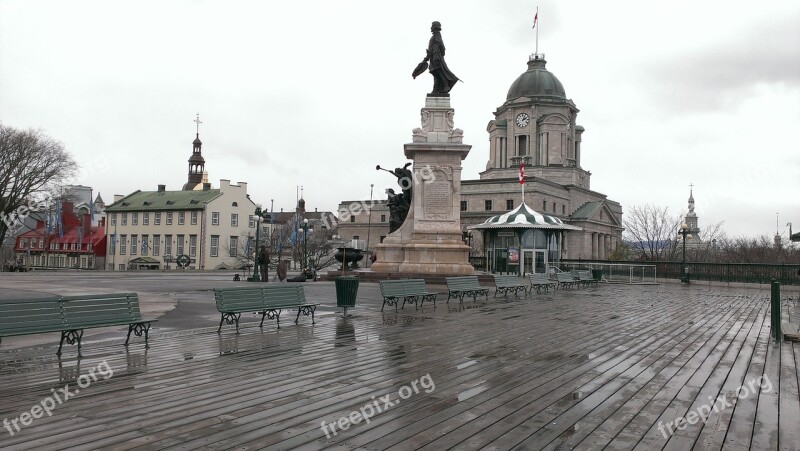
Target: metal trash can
(346, 291)
(597, 274)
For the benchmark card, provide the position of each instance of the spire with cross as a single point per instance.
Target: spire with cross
(198, 122)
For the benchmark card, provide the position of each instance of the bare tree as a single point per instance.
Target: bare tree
(650, 232)
(756, 250)
(31, 163)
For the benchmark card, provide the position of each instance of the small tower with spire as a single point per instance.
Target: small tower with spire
(691, 217)
(196, 161)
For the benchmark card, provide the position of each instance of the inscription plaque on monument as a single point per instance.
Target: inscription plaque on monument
(438, 198)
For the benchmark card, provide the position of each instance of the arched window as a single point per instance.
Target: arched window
(234, 204)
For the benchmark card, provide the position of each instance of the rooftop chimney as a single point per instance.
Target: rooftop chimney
(118, 197)
(162, 188)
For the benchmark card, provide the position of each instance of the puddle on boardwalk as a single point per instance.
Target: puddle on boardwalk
(469, 393)
(466, 364)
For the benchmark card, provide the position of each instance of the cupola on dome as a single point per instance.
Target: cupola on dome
(536, 82)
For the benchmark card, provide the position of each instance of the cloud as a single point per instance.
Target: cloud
(720, 75)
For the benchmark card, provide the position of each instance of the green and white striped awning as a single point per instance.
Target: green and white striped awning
(524, 217)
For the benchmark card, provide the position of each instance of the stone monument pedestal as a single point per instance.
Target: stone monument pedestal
(429, 241)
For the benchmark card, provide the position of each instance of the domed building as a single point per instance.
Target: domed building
(536, 126)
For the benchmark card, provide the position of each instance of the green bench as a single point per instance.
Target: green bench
(267, 300)
(461, 286)
(540, 281)
(410, 290)
(505, 284)
(70, 315)
(584, 277)
(565, 279)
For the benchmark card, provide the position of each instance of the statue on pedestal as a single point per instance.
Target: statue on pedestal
(443, 78)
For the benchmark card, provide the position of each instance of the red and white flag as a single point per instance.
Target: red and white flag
(535, 18)
(522, 173)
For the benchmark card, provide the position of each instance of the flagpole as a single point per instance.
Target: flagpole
(536, 20)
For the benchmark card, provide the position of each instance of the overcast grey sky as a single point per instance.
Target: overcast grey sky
(317, 93)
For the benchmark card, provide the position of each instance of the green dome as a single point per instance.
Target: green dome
(536, 82)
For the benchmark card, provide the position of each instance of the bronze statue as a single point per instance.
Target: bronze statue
(399, 204)
(443, 78)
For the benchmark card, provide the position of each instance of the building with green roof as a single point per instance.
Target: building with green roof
(212, 228)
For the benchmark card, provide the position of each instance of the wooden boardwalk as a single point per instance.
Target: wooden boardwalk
(611, 367)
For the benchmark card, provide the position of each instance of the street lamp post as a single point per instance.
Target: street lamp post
(256, 273)
(684, 232)
(369, 222)
(305, 237)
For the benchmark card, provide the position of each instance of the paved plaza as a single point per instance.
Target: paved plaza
(617, 367)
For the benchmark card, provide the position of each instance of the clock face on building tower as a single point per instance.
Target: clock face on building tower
(523, 120)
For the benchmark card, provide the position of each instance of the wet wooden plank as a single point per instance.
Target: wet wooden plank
(765, 427)
(789, 418)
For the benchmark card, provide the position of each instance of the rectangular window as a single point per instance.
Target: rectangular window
(145, 218)
(23, 243)
(89, 247)
(134, 218)
(123, 244)
(64, 246)
(487, 205)
(352, 218)
(522, 145)
(124, 219)
(544, 206)
(194, 218)
(157, 218)
(215, 245)
(563, 209)
(383, 218)
(251, 222)
(463, 205)
(180, 245)
(169, 218)
(156, 244)
(41, 244)
(214, 218)
(554, 207)
(168, 245)
(509, 204)
(75, 245)
(192, 245)
(133, 244)
(113, 219)
(145, 244)
(181, 217)
(234, 249)
(234, 220)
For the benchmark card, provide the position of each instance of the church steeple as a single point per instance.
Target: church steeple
(196, 161)
(691, 217)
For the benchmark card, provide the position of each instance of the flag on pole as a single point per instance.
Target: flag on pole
(535, 18)
(522, 173)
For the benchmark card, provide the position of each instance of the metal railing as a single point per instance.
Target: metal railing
(762, 273)
(633, 273)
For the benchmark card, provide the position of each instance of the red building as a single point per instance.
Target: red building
(79, 246)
